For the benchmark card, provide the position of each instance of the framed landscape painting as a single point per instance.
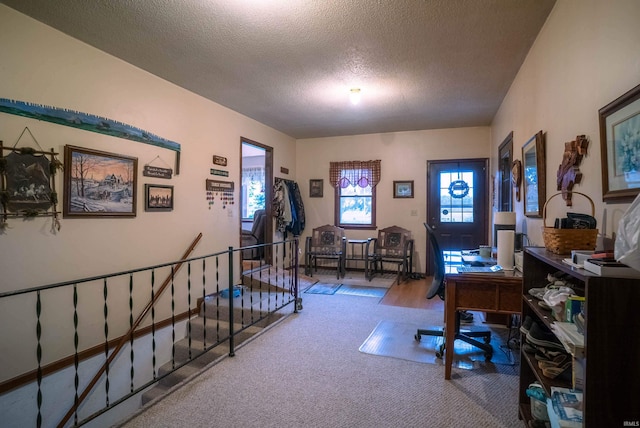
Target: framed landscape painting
(403, 189)
(98, 184)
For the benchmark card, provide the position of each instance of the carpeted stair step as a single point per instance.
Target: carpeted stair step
(200, 360)
(218, 331)
(273, 283)
(151, 394)
(247, 308)
(197, 347)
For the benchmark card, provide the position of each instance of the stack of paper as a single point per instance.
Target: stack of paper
(567, 333)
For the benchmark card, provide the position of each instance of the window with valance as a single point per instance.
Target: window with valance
(355, 189)
(352, 173)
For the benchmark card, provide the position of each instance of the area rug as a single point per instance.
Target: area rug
(354, 277)
(397, 340)
(359, 290)
(323, 288)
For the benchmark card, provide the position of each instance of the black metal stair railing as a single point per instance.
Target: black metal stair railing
(70, 328)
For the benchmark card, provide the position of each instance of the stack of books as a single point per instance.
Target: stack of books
(610, 267)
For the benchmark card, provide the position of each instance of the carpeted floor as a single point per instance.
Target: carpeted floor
(308, 371)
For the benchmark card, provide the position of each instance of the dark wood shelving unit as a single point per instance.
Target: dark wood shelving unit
(612, 341)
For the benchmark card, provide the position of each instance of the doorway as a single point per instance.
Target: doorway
(457, 201)
(256, 194)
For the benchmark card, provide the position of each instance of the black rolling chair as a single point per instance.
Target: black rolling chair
(437, 289)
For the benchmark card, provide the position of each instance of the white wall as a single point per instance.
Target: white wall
(585, 57)
(404, 156)
(44, 66)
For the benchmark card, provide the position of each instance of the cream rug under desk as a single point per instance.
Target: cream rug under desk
(396, 339)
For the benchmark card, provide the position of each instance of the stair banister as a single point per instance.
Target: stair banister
(127, 336)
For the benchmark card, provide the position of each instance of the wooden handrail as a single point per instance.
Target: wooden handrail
(127, 336)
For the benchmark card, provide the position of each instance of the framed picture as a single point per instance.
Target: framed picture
(620, 147)
(158, 197)
(98, 184)
(403, 189)
(315, 188)
(534, 173)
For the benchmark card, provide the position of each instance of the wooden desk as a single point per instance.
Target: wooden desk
(494, 293)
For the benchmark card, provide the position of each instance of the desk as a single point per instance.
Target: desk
(494, 293)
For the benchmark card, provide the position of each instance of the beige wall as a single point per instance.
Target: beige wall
(44, 66)
(585, 57)
(404, 156)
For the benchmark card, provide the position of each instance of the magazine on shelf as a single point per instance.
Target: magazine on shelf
(610, 267)
(565, 408)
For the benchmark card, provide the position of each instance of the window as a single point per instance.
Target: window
(253, 188)
(355, 190)
(456, 196)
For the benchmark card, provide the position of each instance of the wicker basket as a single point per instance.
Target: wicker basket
(562, 241)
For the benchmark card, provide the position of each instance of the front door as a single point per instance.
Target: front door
(457, 200)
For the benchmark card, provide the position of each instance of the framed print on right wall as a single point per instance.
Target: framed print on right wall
(620, 147)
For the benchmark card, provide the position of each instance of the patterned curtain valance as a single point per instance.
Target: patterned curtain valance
(352, 173)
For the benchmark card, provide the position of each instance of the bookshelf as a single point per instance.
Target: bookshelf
(612, 341)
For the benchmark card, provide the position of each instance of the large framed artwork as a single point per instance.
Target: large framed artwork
(99, 184)
(620, 147)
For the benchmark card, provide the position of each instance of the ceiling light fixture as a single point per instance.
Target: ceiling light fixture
(354, 96)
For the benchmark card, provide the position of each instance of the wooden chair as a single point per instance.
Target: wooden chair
(393, 245)
(326, 242)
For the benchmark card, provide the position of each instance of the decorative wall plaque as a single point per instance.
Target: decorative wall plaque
(219, 160)
(157, 172)
(569, 170)
(219, 186)
(219, 172)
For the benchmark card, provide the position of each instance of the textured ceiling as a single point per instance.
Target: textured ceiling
(420, 64)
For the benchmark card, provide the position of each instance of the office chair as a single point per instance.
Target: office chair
(438, 289)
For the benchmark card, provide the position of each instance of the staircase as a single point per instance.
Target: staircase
(250, 311)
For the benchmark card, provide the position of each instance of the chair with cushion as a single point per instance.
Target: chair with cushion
(438, 289)
(255, 236)
(393, 245)
(329, 243)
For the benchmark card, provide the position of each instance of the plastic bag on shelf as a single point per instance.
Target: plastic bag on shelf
(627, 245)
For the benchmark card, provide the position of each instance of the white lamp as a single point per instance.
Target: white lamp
(503, 220)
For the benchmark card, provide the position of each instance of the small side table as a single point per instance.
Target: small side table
(356, 250)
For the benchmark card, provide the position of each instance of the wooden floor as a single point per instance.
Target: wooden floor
(412, 294)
